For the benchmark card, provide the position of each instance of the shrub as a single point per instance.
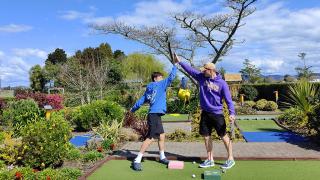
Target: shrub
(250, 93)
(128, 134)
(138, 125)
(142, 112)
(55, 100)
(92, 156)
(261, 104)
(20, 113)
(73, 154)
(46, 142)
(2, 105)
(178, 135)
(70, 173)
(108, 130)
(271, 106)
(245, 109)
(177, 106)
(249, 104)
(106, 144)
(11, 149)
(293, 117)
(314, 120)
(91, 115)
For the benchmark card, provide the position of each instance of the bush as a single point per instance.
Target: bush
(73, 154)
(138, 125)
(245, 109)
(92, 156)
(271, 106)
(109, 130)
(46, 142)
(250, 93)
(20, 113)
(178, 106)
(11, 149)
(55, 100)
(91, 115)
(142, 112)
(314, 120)
(293, 117)
(261, 104)
(128, 134)
(178, 135)
(249, 104)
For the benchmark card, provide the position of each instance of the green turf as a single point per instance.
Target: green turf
(258, 125)
(175, 117)
(243, 170)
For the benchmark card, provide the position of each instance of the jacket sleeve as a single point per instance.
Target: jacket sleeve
(171, 76)
(227, 96)
(139, 103)
(190, 70)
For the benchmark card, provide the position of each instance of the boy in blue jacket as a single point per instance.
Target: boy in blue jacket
(155, 96)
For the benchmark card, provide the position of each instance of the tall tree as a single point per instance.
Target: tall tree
(140, 66)
(37, 79)
(59, 56)
(304, 72)
(118, 55)
(250, 72)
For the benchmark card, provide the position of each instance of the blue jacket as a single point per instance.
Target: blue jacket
(155, 95)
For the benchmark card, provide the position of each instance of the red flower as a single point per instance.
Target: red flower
(48, 178)
(18, 175)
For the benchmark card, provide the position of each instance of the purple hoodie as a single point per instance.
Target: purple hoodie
(212, 91)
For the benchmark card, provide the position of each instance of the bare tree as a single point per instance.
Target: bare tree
(161, 39)
(217, 30)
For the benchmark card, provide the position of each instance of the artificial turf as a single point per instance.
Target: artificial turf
(243, 170)
(259, 126)
(175, 117)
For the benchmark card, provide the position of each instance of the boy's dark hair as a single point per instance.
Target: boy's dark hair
(155, 74)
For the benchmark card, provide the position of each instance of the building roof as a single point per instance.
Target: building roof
(236, 77)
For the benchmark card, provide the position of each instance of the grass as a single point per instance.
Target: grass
(175, 117)
(243, 170)
(258, 125)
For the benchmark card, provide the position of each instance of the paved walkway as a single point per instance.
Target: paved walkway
(242, 150)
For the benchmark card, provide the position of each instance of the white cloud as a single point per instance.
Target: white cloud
(274, 36)
(15, 66)
(30, 52)
(13, 28)
(73, 15)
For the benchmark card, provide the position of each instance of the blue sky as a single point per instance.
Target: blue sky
(274, 34)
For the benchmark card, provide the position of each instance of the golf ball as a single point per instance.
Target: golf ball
(223, 170)
(193, 175)
(193, 162)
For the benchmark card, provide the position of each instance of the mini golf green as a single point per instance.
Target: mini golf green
(175, 117)
(259, 126)
(243, 170)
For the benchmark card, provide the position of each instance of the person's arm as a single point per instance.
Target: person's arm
(171, 76)
(139, 103)
(227, 96)
(190, 70)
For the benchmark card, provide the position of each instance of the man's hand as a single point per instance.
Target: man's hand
(176, 58)
(232, 118)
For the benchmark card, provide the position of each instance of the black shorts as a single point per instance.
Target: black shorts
(209, 121)
(155, 127)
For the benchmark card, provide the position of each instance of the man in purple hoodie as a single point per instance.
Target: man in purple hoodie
(213, 89)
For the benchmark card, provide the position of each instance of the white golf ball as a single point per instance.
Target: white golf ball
(193, 175)
(193, 162)
(223, 170)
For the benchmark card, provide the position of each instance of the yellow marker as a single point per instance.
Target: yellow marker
(242, 99)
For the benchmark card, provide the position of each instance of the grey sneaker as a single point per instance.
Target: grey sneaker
(207, 163)
(164, 161)
(136, 166)
(228, 164)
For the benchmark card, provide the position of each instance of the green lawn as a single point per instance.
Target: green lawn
(175, 117)
(243, 170)
(258, 125)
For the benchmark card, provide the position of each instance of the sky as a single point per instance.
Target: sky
(272, 36)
